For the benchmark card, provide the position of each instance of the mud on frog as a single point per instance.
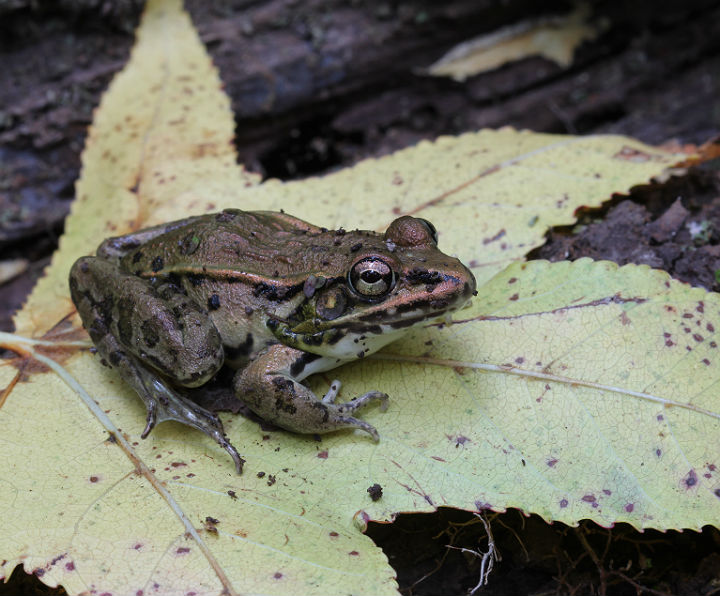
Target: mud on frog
(269, 294)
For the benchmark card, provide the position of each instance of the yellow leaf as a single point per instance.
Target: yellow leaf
(554, 39)
(89, 505)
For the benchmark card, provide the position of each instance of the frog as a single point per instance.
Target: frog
(272, 296)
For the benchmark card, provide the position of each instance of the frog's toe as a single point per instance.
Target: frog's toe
(350, 422)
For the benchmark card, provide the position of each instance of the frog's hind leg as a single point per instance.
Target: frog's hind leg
(141, 331)
(269, 388)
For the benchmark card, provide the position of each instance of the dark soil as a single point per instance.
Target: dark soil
(318, 85)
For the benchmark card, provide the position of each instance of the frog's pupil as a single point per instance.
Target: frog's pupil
(371, 277)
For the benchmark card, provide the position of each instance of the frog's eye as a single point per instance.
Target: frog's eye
(371, 278)
(431, 229)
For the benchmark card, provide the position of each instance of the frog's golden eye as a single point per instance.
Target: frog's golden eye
(431, 229)
(371, 278)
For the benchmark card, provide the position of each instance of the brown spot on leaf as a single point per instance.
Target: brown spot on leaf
(514, 297)
(629, 507)
(589, 498)
(277, 575)
(94, 479)
(690, 479)
(323, 454)
(552, 461)
(563, 503)
(354, 553)
(183, 550)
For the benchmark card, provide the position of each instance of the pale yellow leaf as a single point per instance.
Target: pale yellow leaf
(88, 504)
(554, 38)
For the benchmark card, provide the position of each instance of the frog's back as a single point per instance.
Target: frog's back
(262, 244)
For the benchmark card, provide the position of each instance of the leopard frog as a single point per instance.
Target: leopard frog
(269, 294)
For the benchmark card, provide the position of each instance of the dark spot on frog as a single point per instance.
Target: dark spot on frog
(97, 330)
(318, 405)
(284, 395)
(316, 339)
(375, 491)
(136, 257)
(276, 293)
(423, 276)
(125, 321)
(272, 324)
(300, 363)
(242, 350)
(157, 264)
(249, 310)
(356, 247)
(196, 279)
(334, 336)
(115, 357)
(150, 333)
(214, 302)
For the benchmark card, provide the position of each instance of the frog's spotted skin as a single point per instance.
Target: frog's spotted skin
(267, 293)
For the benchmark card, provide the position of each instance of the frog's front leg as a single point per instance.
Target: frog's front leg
(151, 335)
(269, 387)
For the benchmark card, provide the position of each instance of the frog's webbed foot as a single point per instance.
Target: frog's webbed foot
(361, 401)
(268, 388)
(163, 404)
